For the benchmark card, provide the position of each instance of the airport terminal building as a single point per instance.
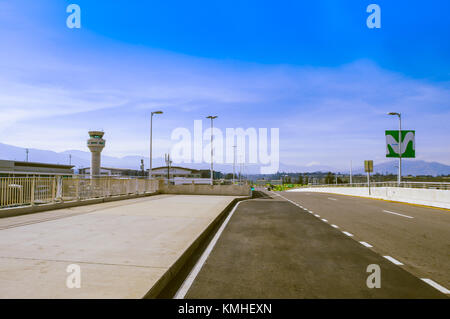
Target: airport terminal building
(29, 169)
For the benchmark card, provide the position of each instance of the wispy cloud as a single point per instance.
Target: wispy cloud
(52, 92)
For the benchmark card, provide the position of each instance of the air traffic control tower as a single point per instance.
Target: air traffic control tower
(96, 144)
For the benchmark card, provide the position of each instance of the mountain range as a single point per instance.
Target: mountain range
(82, 159)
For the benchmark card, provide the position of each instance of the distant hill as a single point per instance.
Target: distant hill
(79, 158)
(83, 159)
(410, 167)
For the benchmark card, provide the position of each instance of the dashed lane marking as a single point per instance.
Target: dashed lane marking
(436, 285)
(348, 234)
(393, 213)
(393, 260)
(365, 244)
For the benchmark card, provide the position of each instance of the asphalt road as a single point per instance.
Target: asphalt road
(418, 237)
(271, 248)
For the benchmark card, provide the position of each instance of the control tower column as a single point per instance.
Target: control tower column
(96, 144)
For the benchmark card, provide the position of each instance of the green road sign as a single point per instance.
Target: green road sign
(408, 144)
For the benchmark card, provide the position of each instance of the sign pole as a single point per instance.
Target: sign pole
(368, 167)
(400, 151)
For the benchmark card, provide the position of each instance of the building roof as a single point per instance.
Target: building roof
(176, 167)
(34, 164)
(46, 165)
(34, 168)
(114, 168)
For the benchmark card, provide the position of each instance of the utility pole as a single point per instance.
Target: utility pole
(27, 151)
(399, 146)
(351, 172)
(168, 163)
(240, 172)
(142, 167)
(400, 150)
(234, 161)
(70, 159)
(151, 132)
(212, 127)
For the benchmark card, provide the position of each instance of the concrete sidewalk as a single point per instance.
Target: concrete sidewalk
(123, 248)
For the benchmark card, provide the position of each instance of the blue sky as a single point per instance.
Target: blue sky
(311, 68)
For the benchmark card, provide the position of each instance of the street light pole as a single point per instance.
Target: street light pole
(151, 137)
(400, 152)
(212, 126)
(351, 172)
(234, 161)
(399, 146)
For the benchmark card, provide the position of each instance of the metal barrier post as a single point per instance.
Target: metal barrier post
(53, 189)
(33, 183)
(77, 188)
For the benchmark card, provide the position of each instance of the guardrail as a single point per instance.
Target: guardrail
(427, 185)
(19, 191)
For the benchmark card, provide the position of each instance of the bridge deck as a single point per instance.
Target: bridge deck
(122, 247)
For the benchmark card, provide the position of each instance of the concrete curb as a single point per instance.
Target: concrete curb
(173, 270)
(17, 211)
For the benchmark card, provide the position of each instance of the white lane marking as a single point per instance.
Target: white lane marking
(393, 260)
(335, 226)
(389, 212)
(365, 244)
(326, 221)
(436, 285)
(316, 215)
(198, 266)
(348, 234)
(330, 198)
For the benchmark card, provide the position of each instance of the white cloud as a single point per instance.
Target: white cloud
(313, 163)
(50, 94)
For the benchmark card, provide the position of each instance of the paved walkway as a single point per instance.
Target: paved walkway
(122, 247)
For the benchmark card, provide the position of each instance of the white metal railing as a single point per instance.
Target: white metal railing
(427, 185)
(19, 191)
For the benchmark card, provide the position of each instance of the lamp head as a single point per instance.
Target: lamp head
(157, 112)
(394, 113)
(211, 117)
